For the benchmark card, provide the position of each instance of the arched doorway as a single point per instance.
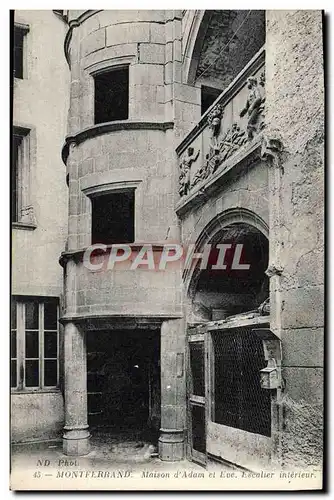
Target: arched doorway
(229, 412)
(242, 285)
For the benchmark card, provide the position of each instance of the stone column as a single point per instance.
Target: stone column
(76, 434)
(173, 391)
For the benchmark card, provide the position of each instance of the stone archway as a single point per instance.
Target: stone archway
(216, 293)
(206, 35)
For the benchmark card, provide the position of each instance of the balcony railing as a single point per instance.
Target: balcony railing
(232, 125)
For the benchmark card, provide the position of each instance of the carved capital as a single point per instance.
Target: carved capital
(271, 147)
(274, 270)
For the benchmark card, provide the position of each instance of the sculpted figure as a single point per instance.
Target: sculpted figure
(252, 105)
(185, 167)
(232, 140)
(203, 172)
(214, 120)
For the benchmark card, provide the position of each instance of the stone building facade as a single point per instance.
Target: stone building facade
(189, 128)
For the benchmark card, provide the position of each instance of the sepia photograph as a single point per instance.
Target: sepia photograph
(167, 249)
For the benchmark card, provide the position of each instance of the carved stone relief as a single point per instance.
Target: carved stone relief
(185, 167)
(254, 105)
(223, 146)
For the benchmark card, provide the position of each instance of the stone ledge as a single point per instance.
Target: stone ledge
(77, 254)
(107, 127)
(127, 320)
(24, 225)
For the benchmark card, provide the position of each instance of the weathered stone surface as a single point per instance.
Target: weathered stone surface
(93, 42)
(151, 53)
(111, 17)
(147, 74)
(109, 53)
(302, 439)
(303, 347)
(157, 33)
(303, 307)
(38, 416)
(128, 33)
(187, 93)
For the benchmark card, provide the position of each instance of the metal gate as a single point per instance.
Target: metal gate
(229, 413)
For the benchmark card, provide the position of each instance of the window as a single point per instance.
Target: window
(34, 344)
(208, 97)
(20, 173)
(18, 60)
(112, 95)
(239, 400)
(113, 217)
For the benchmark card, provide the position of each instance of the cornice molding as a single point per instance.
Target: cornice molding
(75, 23)
(77, 254)
(105, 128)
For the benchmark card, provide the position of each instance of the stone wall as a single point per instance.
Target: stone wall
(246, 191)
(41, 103)
(38, 416)
(138, 152)
(295, 116)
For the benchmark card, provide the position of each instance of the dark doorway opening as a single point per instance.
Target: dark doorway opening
(123, 380)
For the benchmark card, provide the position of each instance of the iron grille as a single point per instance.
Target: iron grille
(240, 401)
(197, 368)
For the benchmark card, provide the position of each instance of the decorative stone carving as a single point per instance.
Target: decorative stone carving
(202, 173)
(233, 139)
(224, 145)
(27, 215)
(264, 308)
(254, 105)
(185, 167)
(214, 121)
(271, 147)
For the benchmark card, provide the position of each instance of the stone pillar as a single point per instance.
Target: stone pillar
(76, 434)
(173, 391)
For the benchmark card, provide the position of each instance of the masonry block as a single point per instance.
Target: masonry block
(303, 347)
(128, 33)
(187, 93)
(303, 307)
(157, 33)
(93, 42)
(151, 53)
(304, 384)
